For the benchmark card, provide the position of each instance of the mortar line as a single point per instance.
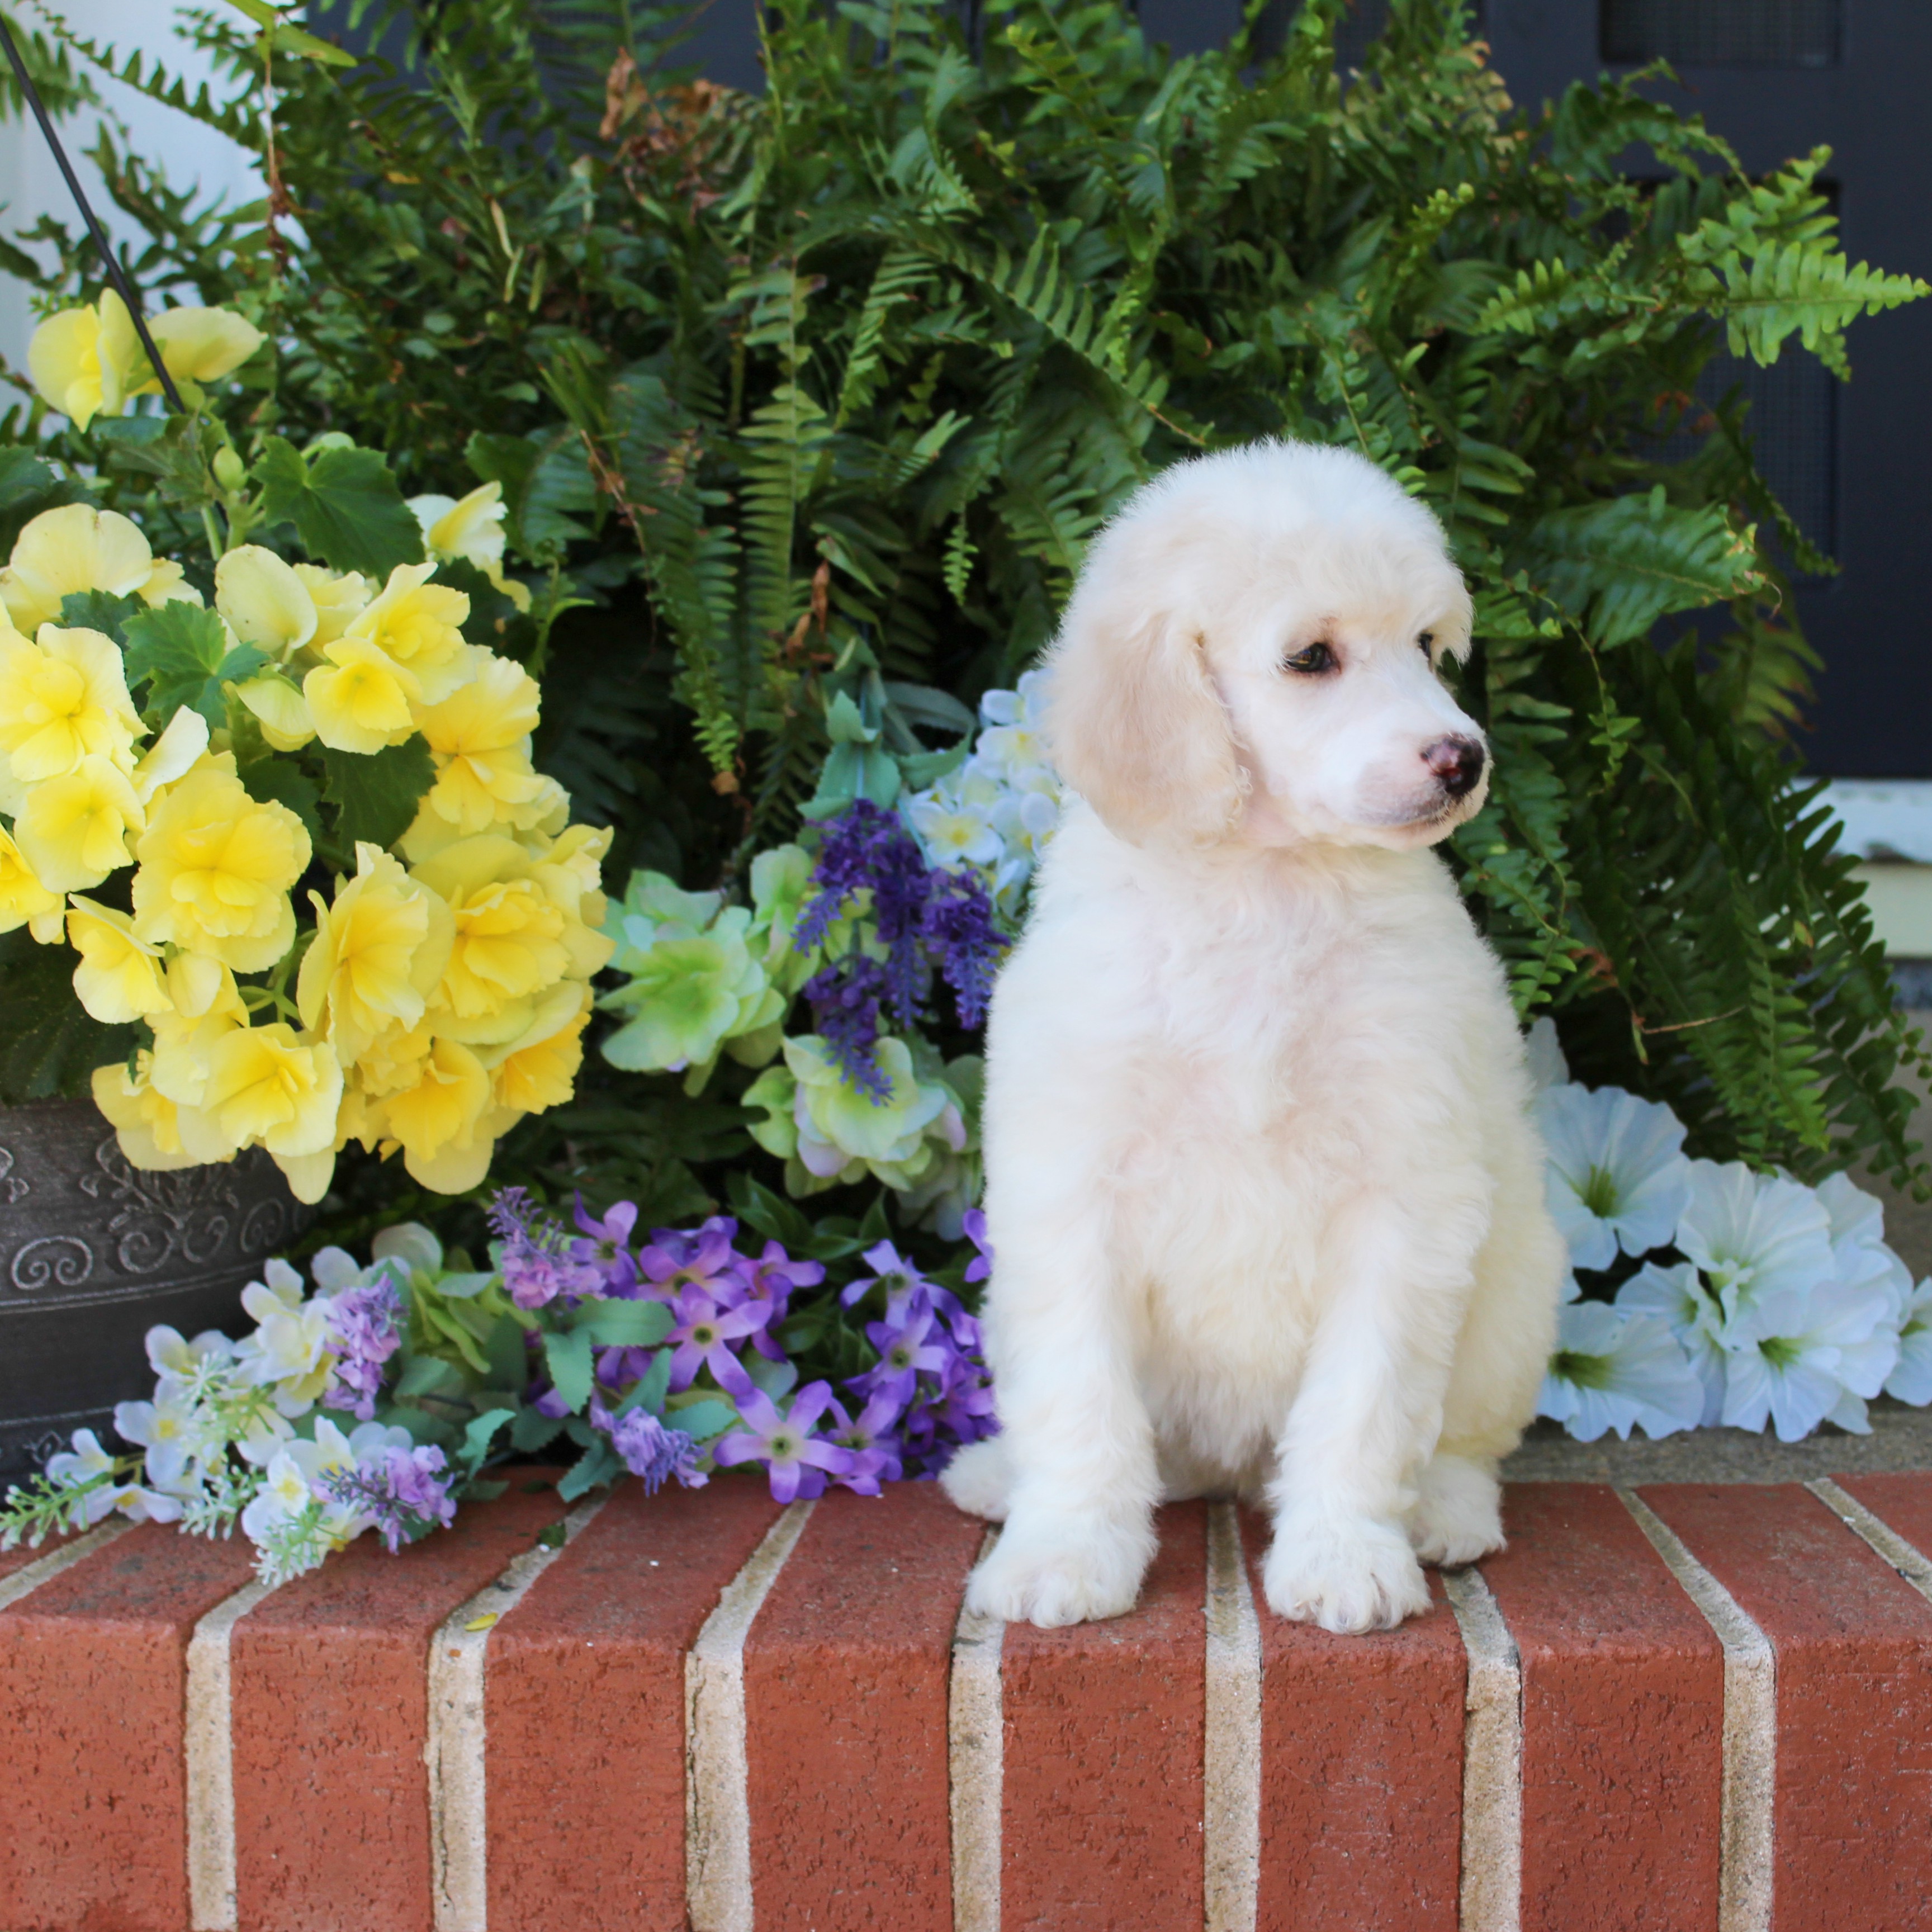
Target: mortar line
(30, 1576)
(1492, 1881)
(455, 1744)
(1231, 1774)
(207, 1750)
(717, 1800)
(1747, 1831)
(976, 1760)
(1876, 1533)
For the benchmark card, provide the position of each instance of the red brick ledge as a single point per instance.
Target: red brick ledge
(1689, 1705)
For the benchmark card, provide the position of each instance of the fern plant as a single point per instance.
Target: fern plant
(812, 400)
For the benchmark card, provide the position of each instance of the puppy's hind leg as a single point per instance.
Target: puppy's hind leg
(979, 1479)
(1457, 1514)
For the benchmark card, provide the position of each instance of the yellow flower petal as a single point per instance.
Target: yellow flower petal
(174, 752)
(64, 358)
(338, 600)
(279, 709)
(266, 603)
(418, 625)
(509, 935)
(73, 830)
(144, 1119)
(62, 699)
(24, 901)
(75, 548)
(472, 530)
(202, 345)
(361, 699)
(538, 1069)
(118, 979)
(265, 1084)
(444, 1107)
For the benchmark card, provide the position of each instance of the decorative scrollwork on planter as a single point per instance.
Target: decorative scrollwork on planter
(12, 1186)
(54, 1261)
(267, 1223)
(191, 1211)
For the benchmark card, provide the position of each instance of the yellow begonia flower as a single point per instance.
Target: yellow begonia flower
(199, 986)
(166, 584)
(279, 709)
(393, 1061)
(144, 1119)
(481, 735)
(266, 603)
(73, 830)
(198, 345)
(62, 699)
(338, 600)
(118, 979)
(75, 548)
(171, 753)
(418, 625)
(361, 699)
(378, 954)
(446, 1124)
(184, 1042)
(265, 1084)
(471, 529)
(216, 868)
(509, 935)
(538, 1069)
(24, 901)
(64, 358)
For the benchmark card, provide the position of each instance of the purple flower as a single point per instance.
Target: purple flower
(365, 1328)
(875, 1449)
(901, 1280)
(702, 1332)
(844, 1001)
(608, 1248)
(706, 1260)
(797, 1461)
(775, 1278)
(906, 1348)
(973, 1225)
(651, 1452)
(958, 930)
(865, 848)
(536, 1260)
(406, 1492)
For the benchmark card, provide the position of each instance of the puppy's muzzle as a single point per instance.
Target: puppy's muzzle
(1456, 764)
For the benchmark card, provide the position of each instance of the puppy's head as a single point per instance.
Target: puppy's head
(1251, 652)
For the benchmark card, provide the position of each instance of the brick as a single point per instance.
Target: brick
(1903, 1501)
(1361, 1769)
(328, 1681)
(1100, 1824)
(584, 1709)
(1854, 1645)
(93, 1686)
(846, 1679)
(1623, 1720)
(20, 1555)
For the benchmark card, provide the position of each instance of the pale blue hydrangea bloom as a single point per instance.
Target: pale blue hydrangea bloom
(1617, 1173)
(1754, 1237)
(1911, 1378)
(1676, 1296)
(1616, 1368)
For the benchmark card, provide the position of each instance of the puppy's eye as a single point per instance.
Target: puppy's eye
(1427, 641)
(1317, 658)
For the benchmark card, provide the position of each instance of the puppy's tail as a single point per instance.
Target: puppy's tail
(979, 1479)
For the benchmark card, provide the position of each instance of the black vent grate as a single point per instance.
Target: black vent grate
(1721, 33)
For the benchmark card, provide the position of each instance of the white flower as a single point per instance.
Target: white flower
(175, 1435)
(81, 1464)
(1614, 1368)
(1616, 1174)
(1544, 1053)
(288, 1351)
(1813, 1358)
(283, 1496)
(1675, 1295)
(1859, 1251)
(71, 1469)
(953, 832)
(176, 1362)
(1754, 1237)
(1911, 1379)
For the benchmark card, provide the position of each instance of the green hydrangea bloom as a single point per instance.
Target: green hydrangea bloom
(690, 992)
(780, 880)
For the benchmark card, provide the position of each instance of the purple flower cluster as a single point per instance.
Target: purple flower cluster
(405, 1493)
(925, 917)
(540, 1264)
(365, 1328)
(928, 1394)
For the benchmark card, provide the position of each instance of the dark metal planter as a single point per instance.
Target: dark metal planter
(94, 1252)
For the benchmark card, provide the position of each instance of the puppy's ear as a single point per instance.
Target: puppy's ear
(1136, 726)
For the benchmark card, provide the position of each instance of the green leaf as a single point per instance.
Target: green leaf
(623, 1325)
(703, 1419)
(509, 1364)
(648, 1391)
(345, 504)
(278, 780)
(567, 1357)
(478, 1437)
(180, 651)
(430, 1375)
(599, 1465)
(533, 1430)
(511, 460)
(376, 795)
(48, 1045)
(98, 611)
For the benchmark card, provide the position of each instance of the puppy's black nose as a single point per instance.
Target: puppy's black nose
(1457, 764)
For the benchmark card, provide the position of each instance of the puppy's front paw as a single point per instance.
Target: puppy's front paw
(1059, 1573)
(1346, 1576)
(1458, 1514)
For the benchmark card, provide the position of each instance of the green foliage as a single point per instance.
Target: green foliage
(375, 794)
(814, 399)
(182, 655)
(345, 506)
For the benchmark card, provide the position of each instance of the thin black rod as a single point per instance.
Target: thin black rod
(122, 287)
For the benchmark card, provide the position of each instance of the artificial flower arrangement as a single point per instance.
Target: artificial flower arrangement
(305, 697)
(1735, 1297)
(668, 1357)
(905, 887)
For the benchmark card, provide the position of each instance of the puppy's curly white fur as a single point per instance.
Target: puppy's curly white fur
(1265, 1195)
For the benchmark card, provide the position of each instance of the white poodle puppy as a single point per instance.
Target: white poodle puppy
(1265, 1200)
